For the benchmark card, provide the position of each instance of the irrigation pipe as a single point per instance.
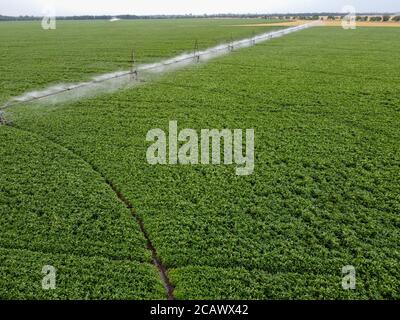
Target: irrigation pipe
(175, 63)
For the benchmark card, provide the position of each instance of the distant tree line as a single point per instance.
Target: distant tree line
(287, 16)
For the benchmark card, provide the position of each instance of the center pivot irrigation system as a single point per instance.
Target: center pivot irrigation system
(138, 74)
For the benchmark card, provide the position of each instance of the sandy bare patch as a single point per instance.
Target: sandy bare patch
(272, 24)
(338, 23)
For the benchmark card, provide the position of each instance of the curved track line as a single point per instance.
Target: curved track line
(162, 270)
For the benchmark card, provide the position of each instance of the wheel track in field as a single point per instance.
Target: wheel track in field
(155, 259)
(162, 270)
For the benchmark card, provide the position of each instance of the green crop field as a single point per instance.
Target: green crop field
(324, 194)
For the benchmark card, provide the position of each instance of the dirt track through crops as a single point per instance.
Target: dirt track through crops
(162, 271)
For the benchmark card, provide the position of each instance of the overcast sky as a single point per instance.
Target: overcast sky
(142, 7)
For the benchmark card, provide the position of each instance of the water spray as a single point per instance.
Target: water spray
(2, 118)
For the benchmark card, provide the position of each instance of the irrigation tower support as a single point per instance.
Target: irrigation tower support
(195, 51)
(134, 73)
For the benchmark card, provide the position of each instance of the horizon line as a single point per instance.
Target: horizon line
(207, 14)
